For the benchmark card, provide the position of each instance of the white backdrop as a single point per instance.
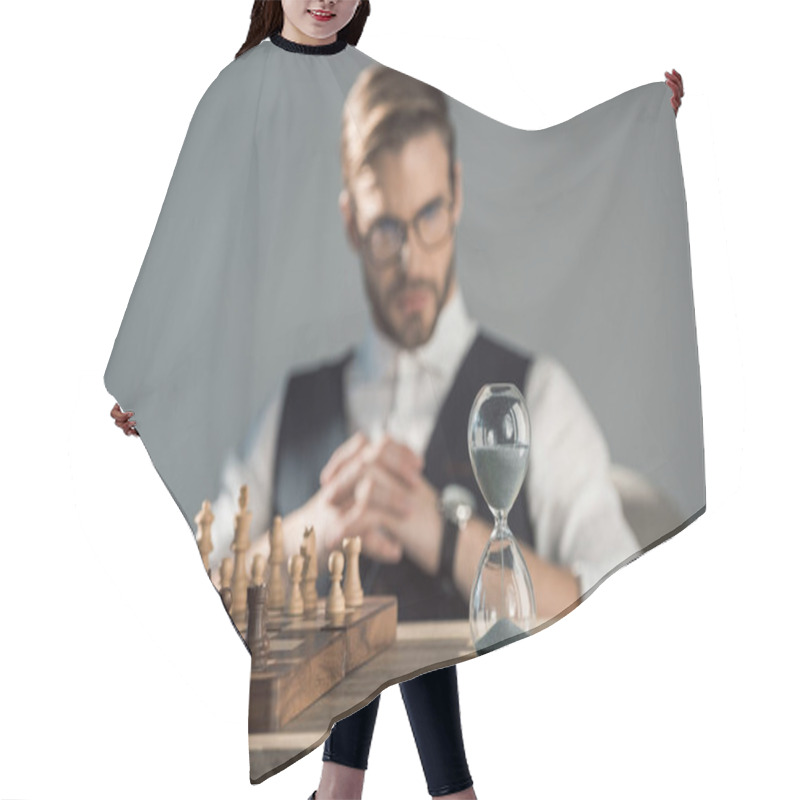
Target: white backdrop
(119, 678)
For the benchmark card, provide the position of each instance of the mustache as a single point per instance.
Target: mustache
(405, 286)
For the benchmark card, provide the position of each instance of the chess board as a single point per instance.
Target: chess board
(310, 654)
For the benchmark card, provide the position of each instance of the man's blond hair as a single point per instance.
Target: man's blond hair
(383, 110)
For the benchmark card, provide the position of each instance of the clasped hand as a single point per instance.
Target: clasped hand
(376, 490)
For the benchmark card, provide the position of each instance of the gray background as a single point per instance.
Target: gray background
(573, 241)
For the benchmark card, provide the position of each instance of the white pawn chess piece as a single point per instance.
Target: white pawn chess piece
(295, 605)
(309, 551)
(258, 569)
(276, 589)
(225, 578)
(203, 520)
(353, 593)
(335, 604)
(240, 546)
(226, 573)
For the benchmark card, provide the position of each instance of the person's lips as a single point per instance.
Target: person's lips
(413, 300)
(324, 16)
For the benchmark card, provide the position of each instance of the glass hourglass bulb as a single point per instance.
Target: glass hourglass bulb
(501, 601)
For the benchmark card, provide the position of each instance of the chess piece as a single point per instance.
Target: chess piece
(257, 639)
(309, 550)
(335, 604)
(353, 593)
(306, 559)
(226, 572)
(258, 569)
(203, 520)
(276, 590)
(295, 605)
(225, 577)
(240, 546)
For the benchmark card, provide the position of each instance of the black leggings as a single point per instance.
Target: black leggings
(432, 706)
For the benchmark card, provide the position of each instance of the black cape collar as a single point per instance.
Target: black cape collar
(309, 49)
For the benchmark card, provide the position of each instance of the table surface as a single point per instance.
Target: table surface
(419, 646)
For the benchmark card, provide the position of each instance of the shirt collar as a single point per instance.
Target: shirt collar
(442, 353)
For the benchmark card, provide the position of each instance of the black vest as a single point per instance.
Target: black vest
(314, 424)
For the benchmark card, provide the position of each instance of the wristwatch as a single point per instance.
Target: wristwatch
(456, 504)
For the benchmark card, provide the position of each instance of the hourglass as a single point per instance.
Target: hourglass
(501, 601)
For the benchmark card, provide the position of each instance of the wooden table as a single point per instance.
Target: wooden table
(419, 647)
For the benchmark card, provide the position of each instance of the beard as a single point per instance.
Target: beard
(414, 332)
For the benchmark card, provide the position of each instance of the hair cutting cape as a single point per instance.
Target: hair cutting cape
(250, 353)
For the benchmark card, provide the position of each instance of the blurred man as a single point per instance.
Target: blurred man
(367, 443)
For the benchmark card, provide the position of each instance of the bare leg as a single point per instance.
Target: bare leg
(346, 753)
(339, 782)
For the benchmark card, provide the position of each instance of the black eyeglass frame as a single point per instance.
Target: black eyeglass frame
(364, 239)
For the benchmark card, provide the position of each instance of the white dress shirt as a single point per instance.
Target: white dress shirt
(577, 512)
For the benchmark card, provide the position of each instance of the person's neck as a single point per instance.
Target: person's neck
(294, 34)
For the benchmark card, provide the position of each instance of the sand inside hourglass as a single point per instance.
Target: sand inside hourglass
(502, 630)
(500, 472)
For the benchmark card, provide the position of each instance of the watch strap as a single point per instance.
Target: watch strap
(449, 538)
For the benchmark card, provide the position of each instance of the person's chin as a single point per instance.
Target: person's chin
(418, 317)
(416, 330)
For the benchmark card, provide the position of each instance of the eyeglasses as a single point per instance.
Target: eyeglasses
(384, 240)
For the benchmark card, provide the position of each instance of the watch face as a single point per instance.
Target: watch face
(458, 502)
